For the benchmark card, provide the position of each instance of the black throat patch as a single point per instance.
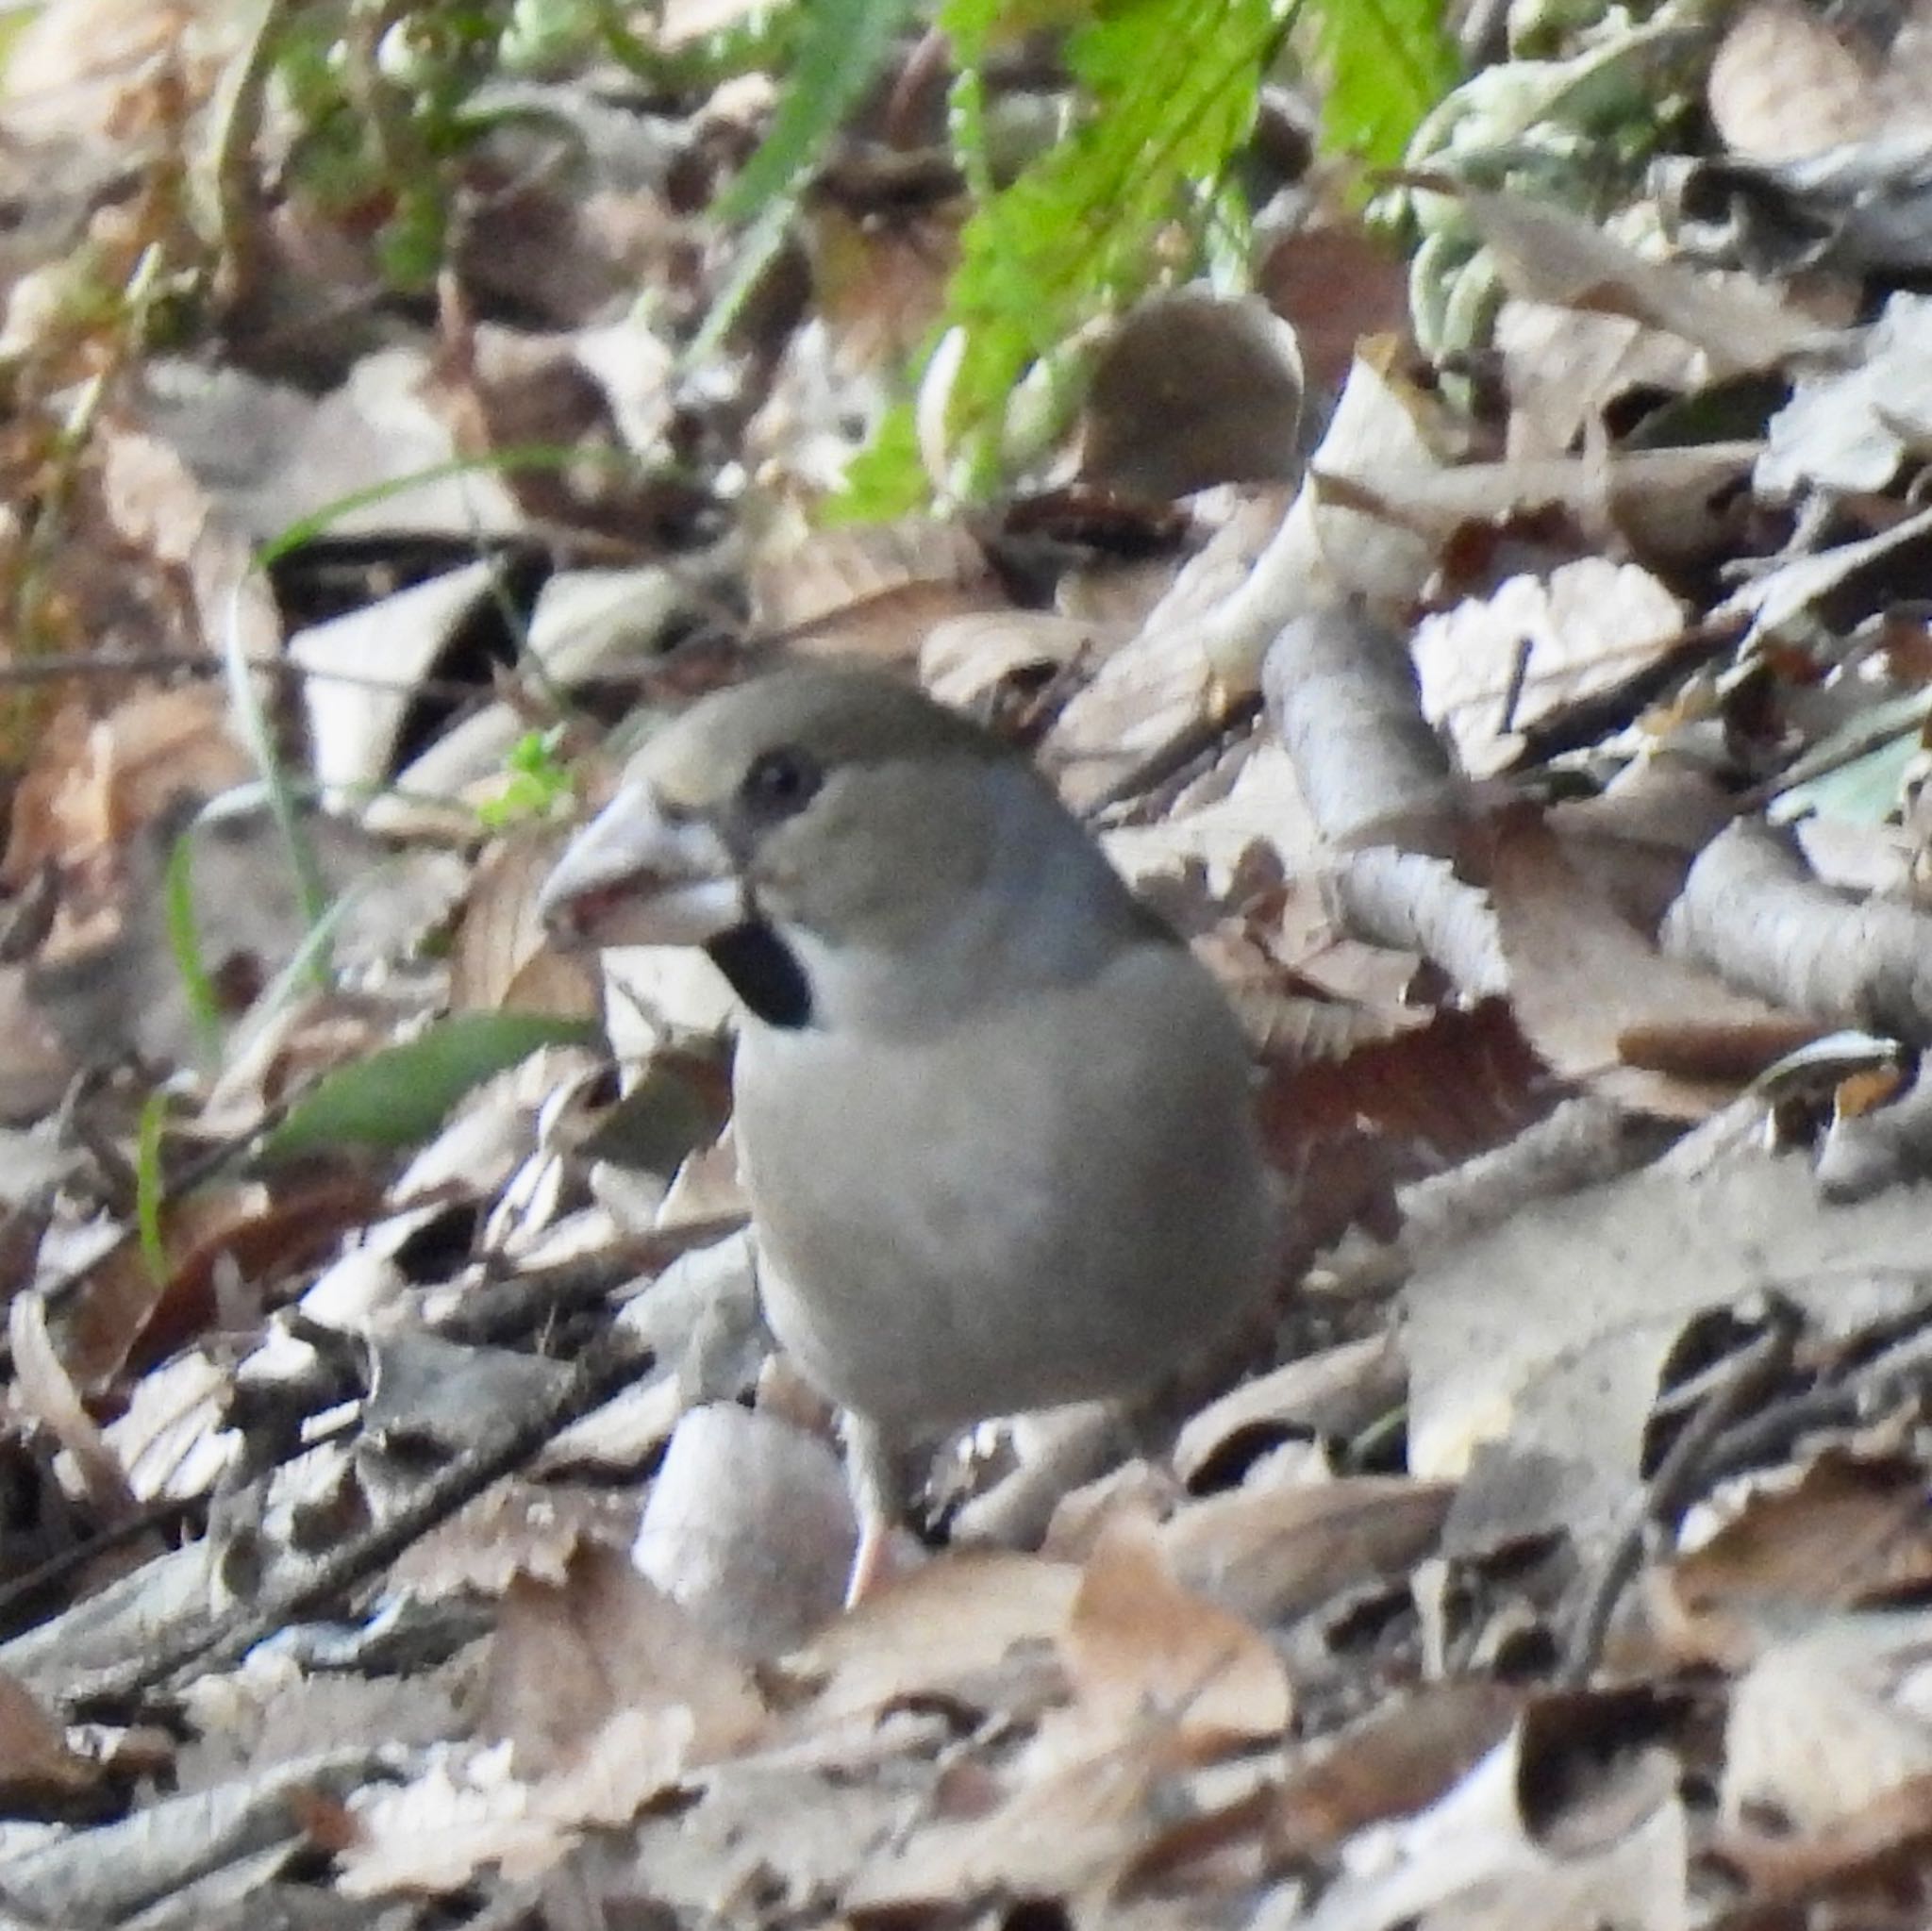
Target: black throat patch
(764, 973)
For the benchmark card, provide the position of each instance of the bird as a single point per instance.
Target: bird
(993, 1117)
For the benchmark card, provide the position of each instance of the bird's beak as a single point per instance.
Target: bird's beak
(633, 876)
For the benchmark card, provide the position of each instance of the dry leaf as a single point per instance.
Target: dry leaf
(574, 1665)
(1140, 1649)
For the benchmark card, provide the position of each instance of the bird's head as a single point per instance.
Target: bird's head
(848, 850)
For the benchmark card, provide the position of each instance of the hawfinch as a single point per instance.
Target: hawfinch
(993, 1117)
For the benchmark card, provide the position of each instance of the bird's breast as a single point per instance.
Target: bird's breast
(1042, 1205)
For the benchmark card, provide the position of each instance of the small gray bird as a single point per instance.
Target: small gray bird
(994, 1119)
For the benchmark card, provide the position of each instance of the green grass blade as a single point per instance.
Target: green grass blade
(841, 52)
(532, 456)
(148, 1186)
(184, 941)
(311, 894)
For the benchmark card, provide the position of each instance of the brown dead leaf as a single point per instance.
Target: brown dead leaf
(1271, 1553)
(1668, 506)
(45, 1391)
(503, 389)
(170, 1438)
(571, 1661)
(1190, 391)
(437, 1832)
(39, 1772)
(1338, 285)
(1116, 594)
(500, 957)
(1553, 1326)
(1564, 370)
(1398, 1760)
(875, 591)
(1287, 1027)
(955, 1618)
(1152, 693)
(1574, 1818)
(1603, 1005)
(1394, 1109)
(93, 783)
(973, 662)
(157, 504)
(307, 1038)
(1139, 1648)
(1076, 1829)
(1337, 1391)
(1547, 253)
(1492, 667)
(515, 1528)
(1870, 1866)
(1786, 82)
(1821, 585)
(1831, 1719)
(273, 455)
(1849, 1532)
(123, 1315)
(73, 65)
(1636, 838)
(1202, 645)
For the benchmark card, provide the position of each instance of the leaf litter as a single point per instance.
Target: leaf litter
(411, 1522)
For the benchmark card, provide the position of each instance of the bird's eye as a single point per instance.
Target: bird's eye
(780, 782)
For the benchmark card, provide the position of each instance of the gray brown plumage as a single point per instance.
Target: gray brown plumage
(994, 1117)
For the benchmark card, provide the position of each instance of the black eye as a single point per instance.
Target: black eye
(780, 782)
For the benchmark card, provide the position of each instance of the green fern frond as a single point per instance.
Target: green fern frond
(1139, 192)
(1169, 90)
(1387, 62)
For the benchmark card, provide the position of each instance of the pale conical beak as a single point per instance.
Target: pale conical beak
(632, 876)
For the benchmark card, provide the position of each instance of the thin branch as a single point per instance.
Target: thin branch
(51, 667)
(601, 1373)
(1683, 1475)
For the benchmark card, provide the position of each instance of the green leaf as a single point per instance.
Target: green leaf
(886, 480)
(1169, 89)
(537, 781)
(1858, 772)
(1866, 791)
(398, 1097)
(1387, 63)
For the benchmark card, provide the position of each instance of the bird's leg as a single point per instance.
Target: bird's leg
(878, 1472)
(1057, 1449)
